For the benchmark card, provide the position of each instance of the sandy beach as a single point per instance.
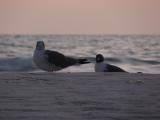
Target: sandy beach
(79, 96)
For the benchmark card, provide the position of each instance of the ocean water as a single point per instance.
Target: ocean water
(134, 53)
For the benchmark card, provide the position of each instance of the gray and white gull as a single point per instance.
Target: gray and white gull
(100, 66)
(48, 60)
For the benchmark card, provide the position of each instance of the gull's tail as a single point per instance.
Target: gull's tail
(83, 61)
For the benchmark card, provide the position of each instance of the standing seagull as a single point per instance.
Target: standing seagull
(100, 66)
(48, 60)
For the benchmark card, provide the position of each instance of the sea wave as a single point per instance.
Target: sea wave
(132, 52)
(26, 64)
(17, 64)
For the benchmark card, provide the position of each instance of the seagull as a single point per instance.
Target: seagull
(100, 66)
(48, 60)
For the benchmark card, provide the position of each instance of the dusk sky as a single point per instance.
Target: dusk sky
(79, 16)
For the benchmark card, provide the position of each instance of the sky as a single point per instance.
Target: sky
(79, 16)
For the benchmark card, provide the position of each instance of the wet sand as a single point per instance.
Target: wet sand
(79, 96)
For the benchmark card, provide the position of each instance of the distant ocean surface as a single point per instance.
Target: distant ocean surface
(134, 53)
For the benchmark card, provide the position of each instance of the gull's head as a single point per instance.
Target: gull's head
(40, 45)
(99, 58)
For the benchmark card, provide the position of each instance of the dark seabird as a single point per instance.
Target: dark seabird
(100, 66)
(48, 60)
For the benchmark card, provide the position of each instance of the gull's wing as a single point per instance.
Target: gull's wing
(112, 68)
(59, 59)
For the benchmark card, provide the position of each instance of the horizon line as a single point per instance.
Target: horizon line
(77, 34)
